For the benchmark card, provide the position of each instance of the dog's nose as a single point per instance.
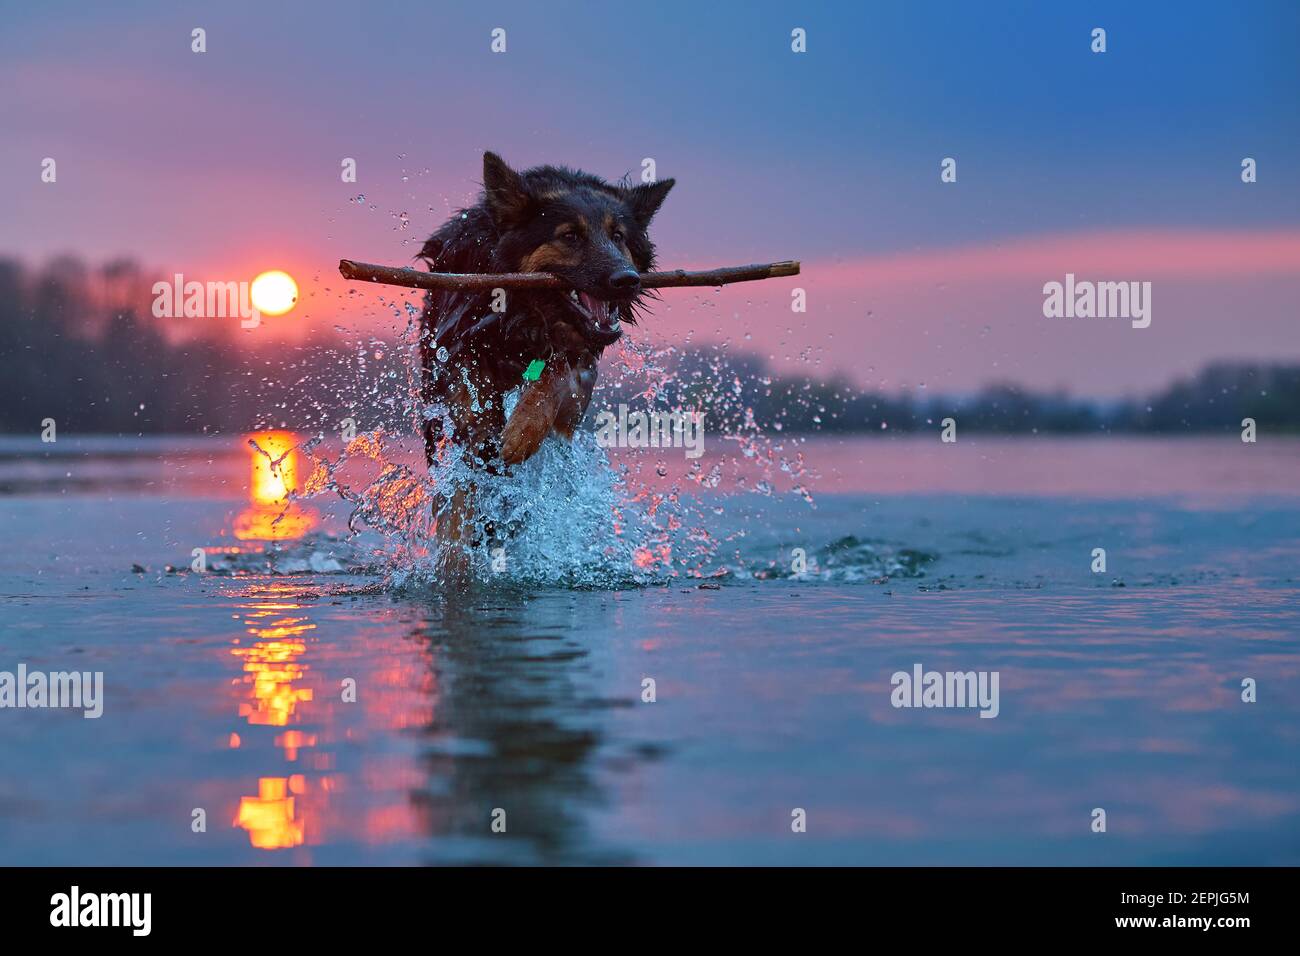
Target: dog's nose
(625, 280)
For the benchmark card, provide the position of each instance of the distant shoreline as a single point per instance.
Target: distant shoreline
(91, 359)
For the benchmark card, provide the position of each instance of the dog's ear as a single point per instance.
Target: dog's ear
(504, 191)
(644, 200)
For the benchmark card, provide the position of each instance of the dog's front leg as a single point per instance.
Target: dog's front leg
(534, 416)
(454, 526)
(573, 405)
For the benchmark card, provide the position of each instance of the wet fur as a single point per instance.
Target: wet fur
(546, 219)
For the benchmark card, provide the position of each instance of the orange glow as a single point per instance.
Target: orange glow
(649, 557)
(294, 740)
(269, 817)
(275, 467)
(273, 672)
(272, 666)
(275, 666)
(273, 516)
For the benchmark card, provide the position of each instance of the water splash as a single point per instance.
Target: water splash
(570, 516)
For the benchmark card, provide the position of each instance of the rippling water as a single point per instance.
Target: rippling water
(225, 691)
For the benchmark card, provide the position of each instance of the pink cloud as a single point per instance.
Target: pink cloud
(1131, 253)
(961, 317)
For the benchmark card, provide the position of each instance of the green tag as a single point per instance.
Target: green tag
(534, 370)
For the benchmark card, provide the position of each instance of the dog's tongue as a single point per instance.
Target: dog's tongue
(596, 308)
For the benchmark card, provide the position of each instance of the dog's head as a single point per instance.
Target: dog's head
(590, 233)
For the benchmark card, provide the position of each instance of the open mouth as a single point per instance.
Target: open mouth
(600, 317)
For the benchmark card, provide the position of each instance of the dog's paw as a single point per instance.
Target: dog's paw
(524, 434)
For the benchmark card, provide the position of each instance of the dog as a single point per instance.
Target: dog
(475, 346)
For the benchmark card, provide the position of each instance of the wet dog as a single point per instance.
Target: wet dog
(476, 346)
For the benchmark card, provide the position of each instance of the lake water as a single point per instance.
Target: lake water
(225, 691)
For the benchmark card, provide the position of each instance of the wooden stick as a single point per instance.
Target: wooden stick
(675, 278)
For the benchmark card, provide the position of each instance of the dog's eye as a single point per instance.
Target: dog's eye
(569, 235)
(617, 235)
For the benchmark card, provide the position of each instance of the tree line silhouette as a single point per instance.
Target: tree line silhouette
(80, 345)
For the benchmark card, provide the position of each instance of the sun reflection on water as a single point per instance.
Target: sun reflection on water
(272, 514)
(317, 780)
(269, 816)
(274, 668)
(272, 665)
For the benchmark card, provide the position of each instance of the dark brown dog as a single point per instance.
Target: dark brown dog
(476, 346)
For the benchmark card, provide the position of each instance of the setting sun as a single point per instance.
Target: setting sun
(274, 293)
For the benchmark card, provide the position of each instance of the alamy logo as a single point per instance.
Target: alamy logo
(1101, 300)
(653, 429)
(923, 688)
(211, 300)
(103, 909)
(36, 689)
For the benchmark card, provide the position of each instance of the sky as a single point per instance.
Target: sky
(1115, 166)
